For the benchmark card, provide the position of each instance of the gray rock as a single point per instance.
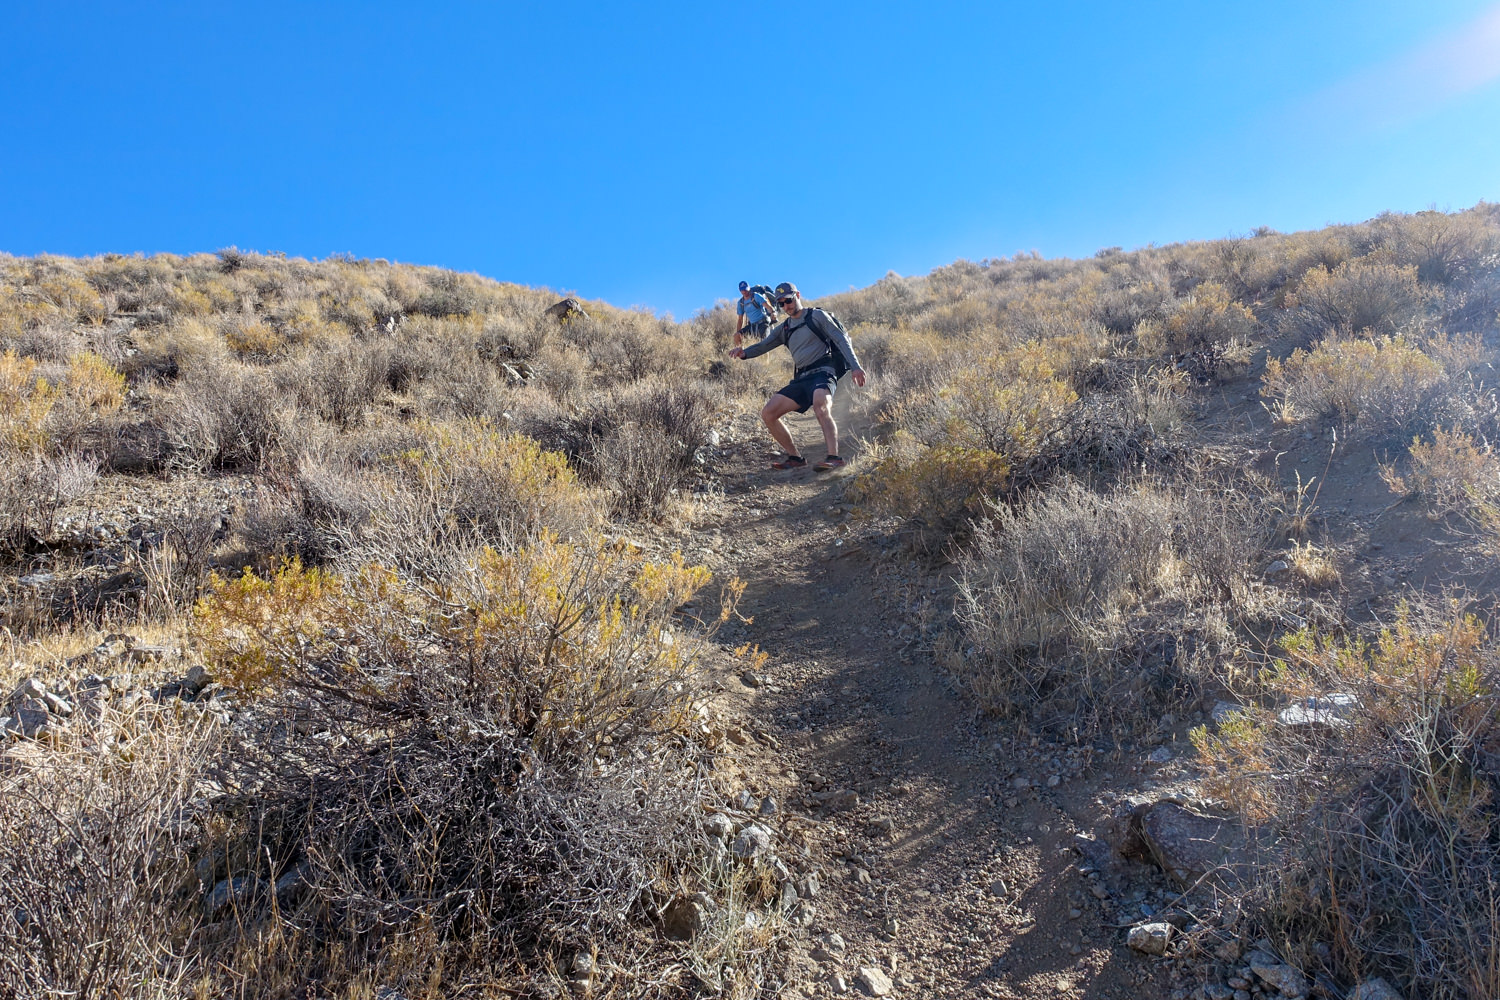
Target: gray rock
(753, 841)
(31, 687)
(1375, 989)
(583, 964)
(768, 806)
(196, 680)
(1150, 939)
(719, 826)
(884, 825)
(30, 718)
(1223, 710)
(838, 984)
(1332, 710)
(235, 892)
(1160, 755)
(57, 705)
(687, 917)
(1185, 844)
(1217, 991)
(1278, 567)
(874, 982)
(567, 310)
(1277, 974)
(809, 887)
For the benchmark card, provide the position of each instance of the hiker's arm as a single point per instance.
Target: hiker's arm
(739, 321)
(770, 341)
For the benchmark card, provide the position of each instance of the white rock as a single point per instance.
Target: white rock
(1329, 710)
(873, 981)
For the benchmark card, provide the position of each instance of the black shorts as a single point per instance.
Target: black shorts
(755, 331)
(800, 389)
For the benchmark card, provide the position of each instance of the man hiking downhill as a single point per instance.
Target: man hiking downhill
(751, 314)
(813, 383)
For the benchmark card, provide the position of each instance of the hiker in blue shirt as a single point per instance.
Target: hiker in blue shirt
(752, 314)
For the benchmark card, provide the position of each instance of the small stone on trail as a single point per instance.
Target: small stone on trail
(768, 806)
(837, 984)
(685, 918)
(1276, 973)
(1150, 939)
(874, 982)
(1160, 755)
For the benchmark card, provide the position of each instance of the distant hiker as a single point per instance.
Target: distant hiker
(752, 313)
(821, 352)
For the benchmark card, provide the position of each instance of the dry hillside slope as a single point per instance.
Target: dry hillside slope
(381, 631)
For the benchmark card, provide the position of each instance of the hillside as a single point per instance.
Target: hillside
(379, 630)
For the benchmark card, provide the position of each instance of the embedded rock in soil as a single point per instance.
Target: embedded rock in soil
(1185, 844)
(1375, 989)
(685, 918)
(1150, 939)
(1275, 973)
(874, 982)
(753, 841)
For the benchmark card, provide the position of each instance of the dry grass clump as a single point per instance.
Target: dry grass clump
(1102, 608)
(96, 880)
(1382, 791)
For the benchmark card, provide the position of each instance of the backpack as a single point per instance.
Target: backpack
(764, 291)
(840, 363)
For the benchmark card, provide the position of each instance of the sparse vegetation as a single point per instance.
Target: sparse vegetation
(455, 740)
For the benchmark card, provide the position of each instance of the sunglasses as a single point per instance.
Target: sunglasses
(785, 302)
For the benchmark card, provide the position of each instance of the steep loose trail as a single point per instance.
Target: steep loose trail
(937, 866)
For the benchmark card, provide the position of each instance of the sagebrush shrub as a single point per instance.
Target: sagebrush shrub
(1357, 296)
(1207, 317)
(1384, 804)
(1380, 384)
(532, 779)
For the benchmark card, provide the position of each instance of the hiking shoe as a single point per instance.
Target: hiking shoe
(790, 462)
(831, 462)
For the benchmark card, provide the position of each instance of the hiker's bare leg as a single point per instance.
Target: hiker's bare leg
(822, 409)
(777, 407)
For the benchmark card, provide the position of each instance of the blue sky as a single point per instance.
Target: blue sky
(653, 155)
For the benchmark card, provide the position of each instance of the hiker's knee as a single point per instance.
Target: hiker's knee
(820, 402)
(776, 407)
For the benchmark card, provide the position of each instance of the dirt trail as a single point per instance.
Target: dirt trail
(936, 864)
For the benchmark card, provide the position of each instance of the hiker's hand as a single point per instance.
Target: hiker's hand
(859, 377)
(737, 352)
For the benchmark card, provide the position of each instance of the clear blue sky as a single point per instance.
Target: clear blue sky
(654, 154)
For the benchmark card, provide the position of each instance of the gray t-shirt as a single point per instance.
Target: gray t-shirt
(806, 346)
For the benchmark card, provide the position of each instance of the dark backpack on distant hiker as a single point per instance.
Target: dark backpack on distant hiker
(768, 296)
(840, 363)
